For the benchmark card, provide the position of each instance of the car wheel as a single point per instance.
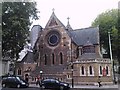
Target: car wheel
(3, 85)
(43, 87)
(61, 88)
(18, 86)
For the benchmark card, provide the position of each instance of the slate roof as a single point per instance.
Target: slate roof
(81, 36)
(28, 58)
(88, 43)
(90, 56)
(34, 33)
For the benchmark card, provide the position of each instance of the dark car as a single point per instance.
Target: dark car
(54, 84)
(14, 81)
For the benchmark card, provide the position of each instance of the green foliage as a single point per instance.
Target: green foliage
(15, 26)
(108, 22)
(119, 38)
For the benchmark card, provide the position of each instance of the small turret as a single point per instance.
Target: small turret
(68, 27)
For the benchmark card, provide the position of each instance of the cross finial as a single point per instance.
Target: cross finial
(68, 19)
(68, 25)
(53, 9)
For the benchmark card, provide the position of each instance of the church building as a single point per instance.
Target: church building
(65, 54)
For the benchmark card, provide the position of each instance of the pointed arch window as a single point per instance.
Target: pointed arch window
(82, 70)
(90, 69)
(61, 58)
(53, 58)
(19, 71)
(100, 70)
(107, 70)
(45, 59)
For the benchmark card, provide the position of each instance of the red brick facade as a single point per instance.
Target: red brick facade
(58, 47)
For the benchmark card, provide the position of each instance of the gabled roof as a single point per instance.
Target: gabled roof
(28, 58)
(54, 21)
(34, 33)
(80, 36)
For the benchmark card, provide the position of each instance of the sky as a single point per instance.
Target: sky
(81, 12)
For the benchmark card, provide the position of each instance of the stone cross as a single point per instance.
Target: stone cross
(53, 9)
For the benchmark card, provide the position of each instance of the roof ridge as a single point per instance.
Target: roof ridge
(84, 28)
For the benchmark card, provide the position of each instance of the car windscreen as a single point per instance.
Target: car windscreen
(18, 78)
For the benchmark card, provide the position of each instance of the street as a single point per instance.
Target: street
(82, 87)
(70, 89)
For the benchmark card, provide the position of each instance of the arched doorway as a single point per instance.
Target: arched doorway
(27, 77)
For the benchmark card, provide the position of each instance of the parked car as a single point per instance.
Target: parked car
(14, 81)
(54, 84)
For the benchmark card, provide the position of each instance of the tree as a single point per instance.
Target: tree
(108, 22)
(119, 37)
(16, 21)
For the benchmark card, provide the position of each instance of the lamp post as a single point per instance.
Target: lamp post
(111, 57)
(72, 77)
(41, 74)
(72, 64)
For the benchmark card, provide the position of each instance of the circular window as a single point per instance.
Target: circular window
(53, 38)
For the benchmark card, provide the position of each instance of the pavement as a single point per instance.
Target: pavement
(33, 85)
(84, 86)
(93, 86)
